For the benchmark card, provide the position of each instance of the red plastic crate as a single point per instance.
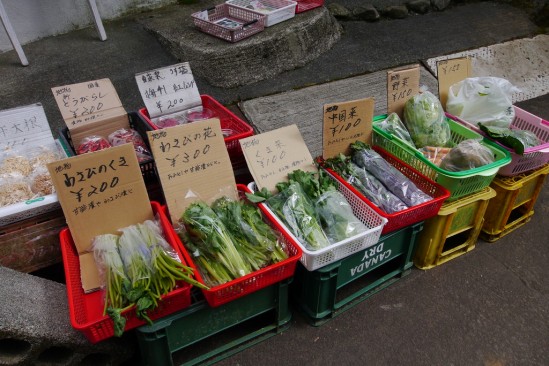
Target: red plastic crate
(229, 121)
(86, 310)
(412, 215)
(219, 295)
(304, 5)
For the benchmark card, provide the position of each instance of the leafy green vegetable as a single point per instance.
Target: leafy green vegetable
(425, 120)
(202, 223)
(518, 140)
(393, 125)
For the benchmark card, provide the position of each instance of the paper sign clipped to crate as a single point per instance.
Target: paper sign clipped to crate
(402, 84)
(24, 127)
(193, 164)
(90, 108)
(100, 193)
(168, 90)
(450, 72)
(345, 123)
(272, 155)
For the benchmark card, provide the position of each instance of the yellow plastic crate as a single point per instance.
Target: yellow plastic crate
(454, 231)
(514, 203)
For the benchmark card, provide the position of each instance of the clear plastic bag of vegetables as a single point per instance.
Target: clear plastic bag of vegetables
(366, 184)
(392, 178)
(293, 206)
(393, 125)
(468, 154)
(425, 120)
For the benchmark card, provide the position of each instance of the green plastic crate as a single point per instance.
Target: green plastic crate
(196, 334)
(329, 291)
(458, 183)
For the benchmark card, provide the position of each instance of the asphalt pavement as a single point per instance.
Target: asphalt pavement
(487, 307)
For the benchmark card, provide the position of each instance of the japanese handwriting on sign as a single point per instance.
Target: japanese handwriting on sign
(85, 104)
(179, 70)
(400, 87)
(270, 154)
(343, 120)
(17, 129)
(96, 204)
(72, 180)
(448, 69)
(148, 77)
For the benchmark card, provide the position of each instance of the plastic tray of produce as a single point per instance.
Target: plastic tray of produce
(314, 259)
(533, 157)
(459, 183)
(269, 275)
(86, 309)
(411, 215)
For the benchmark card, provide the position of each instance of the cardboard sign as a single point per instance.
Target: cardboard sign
(168, 90)
(272, 155)
(345, 123)
(100, 193)
(450, 72)
(193, 164)
(402, 84)
(25, 126)
(90, 108)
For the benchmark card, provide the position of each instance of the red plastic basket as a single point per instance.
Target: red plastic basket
(254, 281)
(229, 122)
(533, 157)
(304, 5)
(412, 215)
(86, 310)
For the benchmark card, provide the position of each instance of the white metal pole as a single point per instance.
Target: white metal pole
(11, 34)
(97, 19)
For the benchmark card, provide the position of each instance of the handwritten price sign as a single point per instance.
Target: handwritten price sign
(402, 84)
(450, 72)
(168, 90)
(345, 123)
(24, 126)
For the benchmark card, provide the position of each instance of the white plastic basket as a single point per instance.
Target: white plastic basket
(276, 11)
(313, 260)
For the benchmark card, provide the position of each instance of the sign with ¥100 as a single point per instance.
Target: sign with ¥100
(24, 127)
(402, 84)
(193, 164)
(168, 90)
(272, 155)
(100, 193)
(449, 72)
(345, 123)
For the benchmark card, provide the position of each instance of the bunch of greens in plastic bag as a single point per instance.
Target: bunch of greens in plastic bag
(426, 122)
(393, 125)
(366, 184)
(138, 267)
(313, 209)
(229, 239)
(468, 154)
(516, 139)
(391, 177)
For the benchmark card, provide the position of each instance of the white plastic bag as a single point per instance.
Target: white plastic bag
(482, 99)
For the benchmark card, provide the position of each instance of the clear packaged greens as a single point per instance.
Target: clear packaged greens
(516, 139)
(425, 120)
(393, 125)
